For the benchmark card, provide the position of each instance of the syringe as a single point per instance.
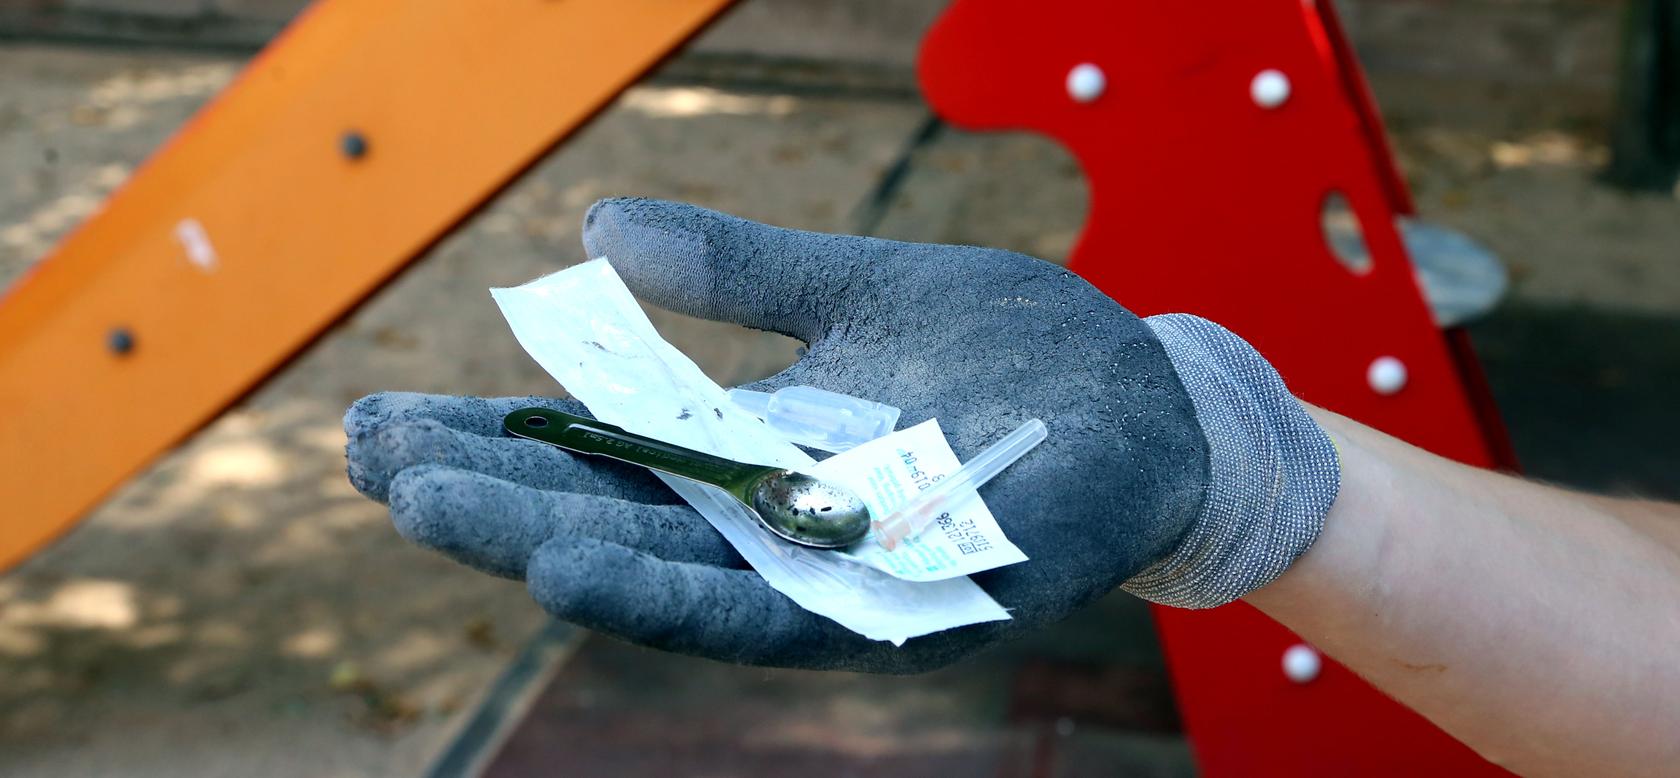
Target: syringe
(956, 488)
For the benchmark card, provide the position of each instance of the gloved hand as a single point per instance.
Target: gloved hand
(1177, 463)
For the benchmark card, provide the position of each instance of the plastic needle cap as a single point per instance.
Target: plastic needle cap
(817, 418)
(951, 491)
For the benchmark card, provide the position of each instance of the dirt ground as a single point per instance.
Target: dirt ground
(240, 610)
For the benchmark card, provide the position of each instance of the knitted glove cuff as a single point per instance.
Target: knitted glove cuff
(1273, 472)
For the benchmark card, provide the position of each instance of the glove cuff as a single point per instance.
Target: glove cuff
(1273, 472)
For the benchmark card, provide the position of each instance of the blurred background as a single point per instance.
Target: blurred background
(239, 609)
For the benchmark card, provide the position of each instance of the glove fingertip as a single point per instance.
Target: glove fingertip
(463, 516)
(374, 457)
(416, 494)
(587, 581)
(712, 265)
(366, 414)
(369, 413)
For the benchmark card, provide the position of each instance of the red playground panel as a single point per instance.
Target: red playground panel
(1211, 134)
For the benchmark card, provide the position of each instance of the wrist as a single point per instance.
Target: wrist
(1346, 553)
(1273, 472)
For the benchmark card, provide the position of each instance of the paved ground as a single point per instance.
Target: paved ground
(239, 610)
(1080, 700)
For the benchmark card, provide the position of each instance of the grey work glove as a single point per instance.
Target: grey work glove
(1177, 465)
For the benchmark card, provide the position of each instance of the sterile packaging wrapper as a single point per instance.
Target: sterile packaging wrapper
(892, 470)
(584, 327)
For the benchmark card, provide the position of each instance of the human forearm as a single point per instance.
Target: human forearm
(1659, 521)
(1533, 624)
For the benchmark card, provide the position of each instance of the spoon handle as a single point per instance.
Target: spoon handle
(587, 436)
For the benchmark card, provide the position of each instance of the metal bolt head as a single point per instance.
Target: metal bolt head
(1269, 89)
(1386, 375)
(120, 341)
(1301, 663)
(1086, 82)
(353, 145)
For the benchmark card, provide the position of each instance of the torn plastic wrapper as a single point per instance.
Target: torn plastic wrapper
(817, 418)
(583, 326)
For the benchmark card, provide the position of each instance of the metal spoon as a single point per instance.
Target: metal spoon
(794, 506)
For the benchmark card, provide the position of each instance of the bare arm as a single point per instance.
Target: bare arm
(1540, 627)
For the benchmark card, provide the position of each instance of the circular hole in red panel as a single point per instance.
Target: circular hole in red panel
(1343, 234)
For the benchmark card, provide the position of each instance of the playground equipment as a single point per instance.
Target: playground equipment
(357, 139)
(1212, 138)
(1212, 135)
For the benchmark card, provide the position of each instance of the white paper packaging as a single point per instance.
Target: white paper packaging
(892, 470)
(583, 326)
